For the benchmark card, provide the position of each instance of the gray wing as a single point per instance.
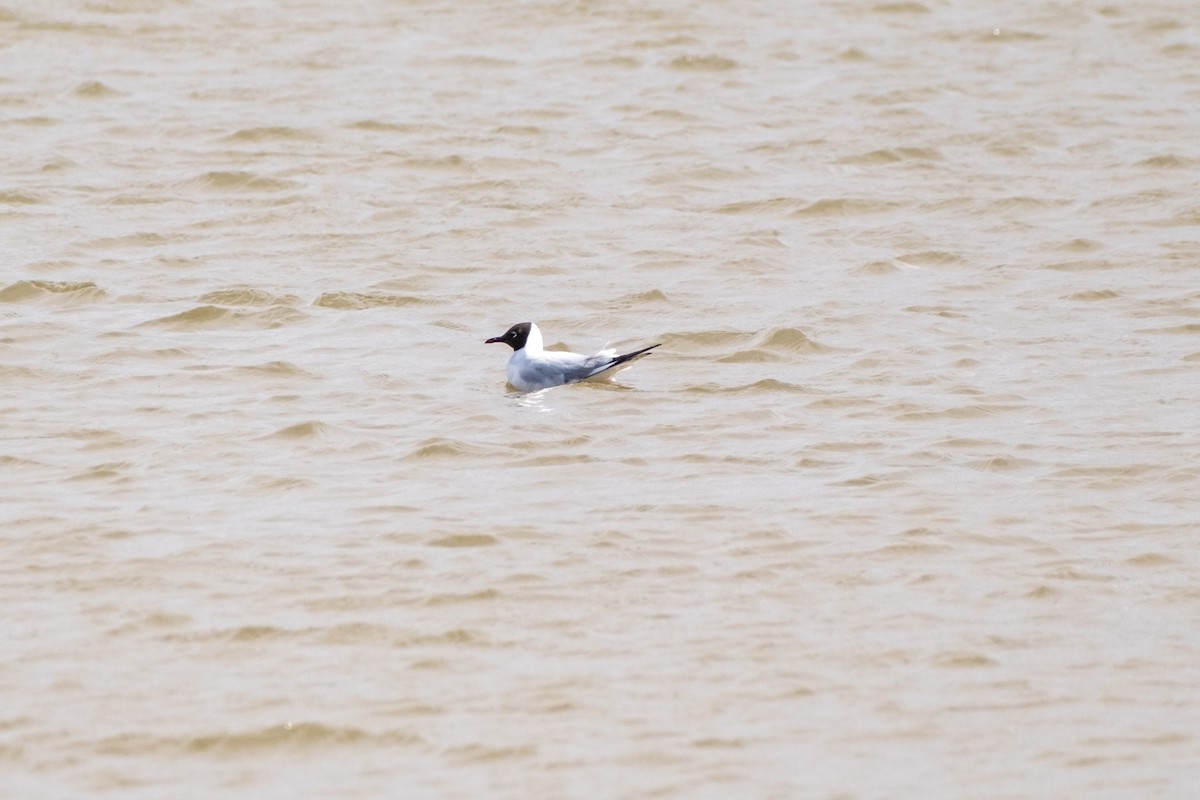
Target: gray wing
(555, 367)
(607, 363)
(566, 367)
(543, 374)
(548, 369)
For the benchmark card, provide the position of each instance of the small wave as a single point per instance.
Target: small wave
(285, 736)
(931, 258)
(19, 198)
(963, 660)
(464, 540)
(444, 162)
(200, 315)
(878, 268)
(1151, 560)
(640, 298)
(1167, 161)
(283, 484)
(121, 354)
(911, 549)
(751, 356)
(792, 340)
(256, 633)
(1000, 36)
(284, 369)
(500, 187)
(486, 62)
(155, 622)
(577, 458)
(1000, 464)
(1097, 294)
(710, 63)
(765, 385)
(387, 127)
(1149, 198)
(361, 300)
(720, 742)
(901, 8)
(301, 430)
(776, 344)
(114, 470)
(967, 443)
(708, 459)
(773, 344)
(241, 181)
(39, 121)
(625, 62)
(244, 296)
(826, 403)
(939, 311)
(707, 338)
(1180, 49)
(90, 434)
(95, 89)
(519, 130)
(1081, 265)
(1080, 246)
(893, 155)
(700, 174)
(772, 204)
(670, 114)
(1019, 203)
(652, 296)
(452, 598)
(439, 447)
(974, 411)
(842, 207)
(209, 316)
(17, 461)
(139, 239)
(1121, 471)
(24, 291)
(767, 238)
(269, 133)
(356, 633)
(485, 754)
(1187, 217)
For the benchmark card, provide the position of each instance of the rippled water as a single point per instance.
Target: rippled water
(905, 505)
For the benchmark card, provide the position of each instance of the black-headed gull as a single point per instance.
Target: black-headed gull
(530, 368)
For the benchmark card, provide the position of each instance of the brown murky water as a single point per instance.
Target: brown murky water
(905, 506)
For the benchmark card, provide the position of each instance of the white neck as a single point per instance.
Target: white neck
(533, 344)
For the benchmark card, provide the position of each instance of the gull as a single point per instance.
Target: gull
(531, 369)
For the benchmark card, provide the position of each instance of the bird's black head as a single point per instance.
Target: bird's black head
(514, 337)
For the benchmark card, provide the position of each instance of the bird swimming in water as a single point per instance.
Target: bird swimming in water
(532, 368)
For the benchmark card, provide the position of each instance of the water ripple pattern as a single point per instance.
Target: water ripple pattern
(906, 504)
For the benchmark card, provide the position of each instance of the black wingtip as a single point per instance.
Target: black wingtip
(634, 354)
